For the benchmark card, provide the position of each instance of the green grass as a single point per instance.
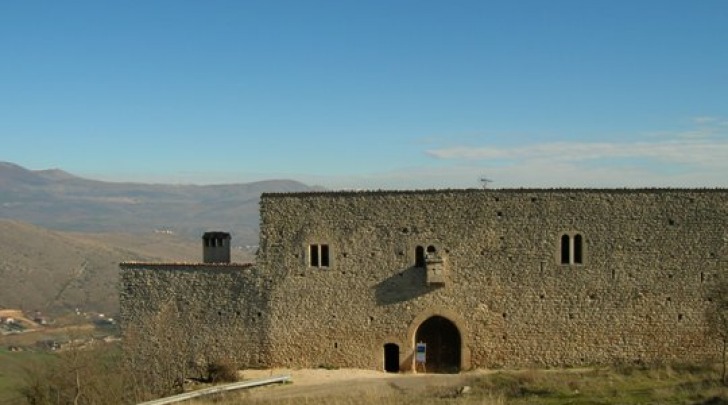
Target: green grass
(12, 371)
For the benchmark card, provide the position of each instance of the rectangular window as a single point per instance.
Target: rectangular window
(577, 249)
(318, 255)
(314, 255)
(565, 249)
(324, 255)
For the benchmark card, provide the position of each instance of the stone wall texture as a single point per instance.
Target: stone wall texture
(187, 316)
(649, 256)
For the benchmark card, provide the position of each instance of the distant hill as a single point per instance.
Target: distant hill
(59, 200)
(55, 271)
(95, 225)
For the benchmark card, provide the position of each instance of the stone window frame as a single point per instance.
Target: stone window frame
(573, 253)
(422, 250)
(322, 257)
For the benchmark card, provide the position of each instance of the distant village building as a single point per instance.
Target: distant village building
(475, 278)
(40, 319)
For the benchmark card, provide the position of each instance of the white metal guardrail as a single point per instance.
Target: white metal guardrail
(218, 389)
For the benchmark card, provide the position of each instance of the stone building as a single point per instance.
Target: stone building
(484, 278)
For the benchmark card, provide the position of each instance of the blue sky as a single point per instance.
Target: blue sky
(369, 94)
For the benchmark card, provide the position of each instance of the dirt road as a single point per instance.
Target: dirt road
(318, 383)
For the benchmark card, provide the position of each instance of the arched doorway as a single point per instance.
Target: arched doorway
(443, 344)
(391, 358)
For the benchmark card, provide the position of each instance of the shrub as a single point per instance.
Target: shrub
(222, 371)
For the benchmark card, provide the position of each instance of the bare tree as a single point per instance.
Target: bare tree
(159, 352)
(85, 372)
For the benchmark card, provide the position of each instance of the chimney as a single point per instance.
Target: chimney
(216, 247)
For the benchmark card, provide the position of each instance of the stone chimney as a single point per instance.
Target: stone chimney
(216, 247)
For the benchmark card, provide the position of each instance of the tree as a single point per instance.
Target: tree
(85, 373)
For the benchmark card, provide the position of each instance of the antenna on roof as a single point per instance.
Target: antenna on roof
(484, 181)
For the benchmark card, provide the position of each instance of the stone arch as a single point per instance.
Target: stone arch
(443, 342)
(449, 317)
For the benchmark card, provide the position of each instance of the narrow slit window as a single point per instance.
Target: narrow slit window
(324, 255)
(565, 249)
(419, 256)
(577, 249)
(314, 254)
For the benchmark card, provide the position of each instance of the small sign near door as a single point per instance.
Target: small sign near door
(421, 352)
(420, 356)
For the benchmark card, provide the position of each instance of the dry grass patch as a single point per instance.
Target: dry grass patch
(365, 399)
(619, 385)
(657, 385)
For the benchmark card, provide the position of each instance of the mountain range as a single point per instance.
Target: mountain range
(58, 200)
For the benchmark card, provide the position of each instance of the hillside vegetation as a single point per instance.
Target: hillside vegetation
(53, 271)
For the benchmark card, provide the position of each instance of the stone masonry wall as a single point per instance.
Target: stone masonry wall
(648, 259)
(178, 318)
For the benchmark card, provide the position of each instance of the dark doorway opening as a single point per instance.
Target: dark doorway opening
(443, 345)
(391, 358)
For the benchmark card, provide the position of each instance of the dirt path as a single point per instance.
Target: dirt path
(318, 383)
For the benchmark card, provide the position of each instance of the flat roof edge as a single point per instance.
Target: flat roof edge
(184, 264)
(334, 193)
